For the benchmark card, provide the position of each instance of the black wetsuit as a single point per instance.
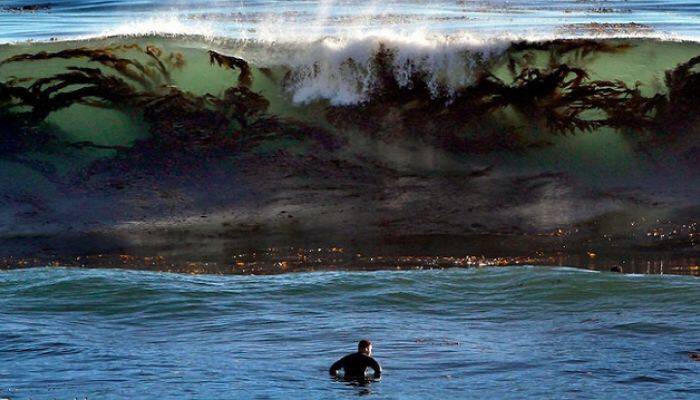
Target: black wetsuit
(355, 365)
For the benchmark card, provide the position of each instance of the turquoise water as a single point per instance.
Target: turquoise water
(486, 333)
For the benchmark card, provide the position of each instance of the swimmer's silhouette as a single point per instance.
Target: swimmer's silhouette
(355, 365)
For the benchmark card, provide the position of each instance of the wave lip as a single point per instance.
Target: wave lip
(283, 32)
(158, 26)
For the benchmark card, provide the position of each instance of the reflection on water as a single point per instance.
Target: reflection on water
(363, 386)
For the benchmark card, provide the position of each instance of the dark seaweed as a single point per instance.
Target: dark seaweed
(245, 78)
(179, 121)
(561, 97)
(28, 8)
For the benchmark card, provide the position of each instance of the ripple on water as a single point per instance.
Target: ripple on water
(493, 332)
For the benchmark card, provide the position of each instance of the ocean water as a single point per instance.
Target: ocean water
(351, 53)
(284, 19)
(511, 332)
(128, 89)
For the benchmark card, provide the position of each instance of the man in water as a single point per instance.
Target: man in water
(355, 364)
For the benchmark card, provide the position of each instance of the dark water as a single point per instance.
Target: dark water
(487, 333)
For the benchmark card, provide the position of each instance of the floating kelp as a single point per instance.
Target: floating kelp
(245, 78)
(683, 85)
(28, 8)
(542, 87)
(132, 69)
(580, 49)
(538, 140)
(178, 120)
(561, 97)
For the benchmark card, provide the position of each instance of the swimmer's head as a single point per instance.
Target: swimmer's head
(365, 347)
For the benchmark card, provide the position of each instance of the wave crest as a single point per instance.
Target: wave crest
(345, 72)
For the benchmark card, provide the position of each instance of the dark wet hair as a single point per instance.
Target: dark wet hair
(363, 344)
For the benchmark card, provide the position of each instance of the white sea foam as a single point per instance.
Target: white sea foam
(169, 25)
(342, 70)
(338, 67)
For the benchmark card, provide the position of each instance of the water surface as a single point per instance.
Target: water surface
(488, 333)
(284, 19)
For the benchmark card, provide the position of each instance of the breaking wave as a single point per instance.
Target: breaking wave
(455, 91)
